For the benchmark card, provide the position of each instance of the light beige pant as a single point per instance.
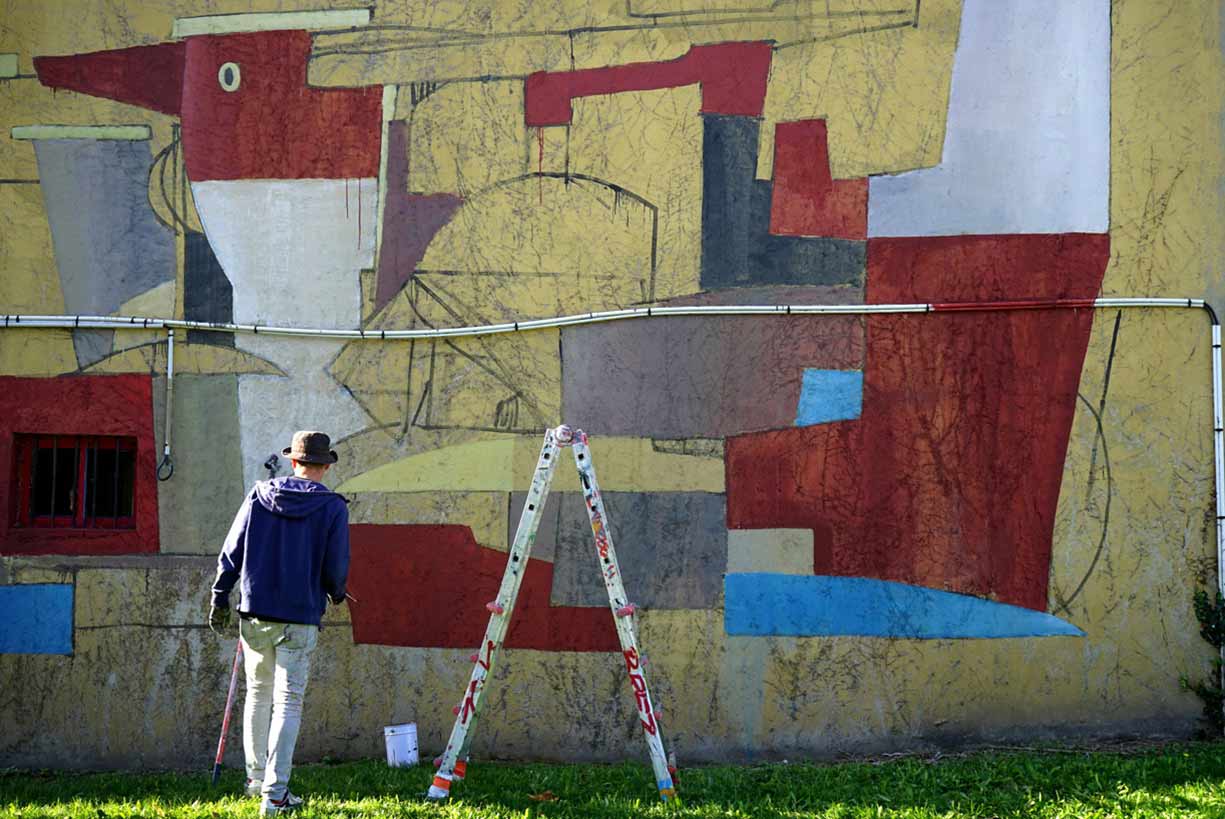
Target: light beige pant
(277, 657)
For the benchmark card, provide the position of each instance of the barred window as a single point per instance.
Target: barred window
(75, 481)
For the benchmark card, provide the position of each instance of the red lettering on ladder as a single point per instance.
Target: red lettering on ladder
(469, 701)
(485, 663)
(639, 683)
(597, 529)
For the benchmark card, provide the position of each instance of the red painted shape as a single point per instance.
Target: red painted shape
(733, 78)
(273, 126)
(426, 586)
(119, 405)
(951, 476)
(148, 76)
(807, 200)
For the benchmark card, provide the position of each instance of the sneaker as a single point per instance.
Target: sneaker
(286, 804)
(253, 787)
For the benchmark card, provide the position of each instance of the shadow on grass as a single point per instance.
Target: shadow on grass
(983, 784)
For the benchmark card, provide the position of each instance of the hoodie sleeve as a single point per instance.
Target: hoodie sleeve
(336, 558)
(229, 563)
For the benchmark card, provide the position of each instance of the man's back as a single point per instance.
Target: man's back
(288, 549)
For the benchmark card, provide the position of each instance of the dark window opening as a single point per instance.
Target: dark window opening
(75, 481)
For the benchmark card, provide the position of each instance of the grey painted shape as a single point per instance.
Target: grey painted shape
(109, 246)
(207, 292)
(196, 506)
(546, 533)
(672, 547)
(737, 247)
(1027, 145)
(704, 377)
(729, 165)
(92, 346)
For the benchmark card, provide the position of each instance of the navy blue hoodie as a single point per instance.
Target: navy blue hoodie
(289, 546)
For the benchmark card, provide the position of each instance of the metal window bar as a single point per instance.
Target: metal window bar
(115, 486)
(55, 463)
(92, 487)
(28, 494)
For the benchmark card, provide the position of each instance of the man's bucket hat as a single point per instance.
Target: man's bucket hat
(311, 447)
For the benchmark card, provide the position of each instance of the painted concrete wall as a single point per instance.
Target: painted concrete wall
(845, 534)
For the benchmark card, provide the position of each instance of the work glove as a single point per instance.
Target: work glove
(218, 618)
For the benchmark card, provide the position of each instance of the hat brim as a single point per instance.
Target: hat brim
(304, 458)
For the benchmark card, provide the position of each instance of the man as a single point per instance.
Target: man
(289, 548)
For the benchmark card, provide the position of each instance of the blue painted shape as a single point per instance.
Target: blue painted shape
(829, 395)
(36, 618)
(763, 604)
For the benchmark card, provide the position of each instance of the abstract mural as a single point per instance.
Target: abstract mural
(898, 482)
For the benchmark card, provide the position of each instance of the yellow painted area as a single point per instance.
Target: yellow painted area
(19, 573)
(189, 359)
(507, 464)
(781, 551)
(126, 133)
(37, 353)
(655, 151)
(447, 43)
(156, 301)
(495, 144)
(269, 21)
(884, 94)
(485, 513)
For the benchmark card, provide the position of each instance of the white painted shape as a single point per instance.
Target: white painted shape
(293, 251)
(781, 551)
(269, 21)
(133, 133)
(1027, 144)
(8, 66)
(292, 248)
(271, 408)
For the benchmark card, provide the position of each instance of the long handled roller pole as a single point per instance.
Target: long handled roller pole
(229, 708)
(451, 766)
(623, 615)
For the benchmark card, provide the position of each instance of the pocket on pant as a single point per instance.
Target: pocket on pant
(297, 637)
(258, 635)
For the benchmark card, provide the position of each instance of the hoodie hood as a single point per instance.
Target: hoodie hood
(293, 497)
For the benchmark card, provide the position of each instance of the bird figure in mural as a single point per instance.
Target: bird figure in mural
(285, 180)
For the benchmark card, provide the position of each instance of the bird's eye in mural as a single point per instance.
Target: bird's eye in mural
(229, 76)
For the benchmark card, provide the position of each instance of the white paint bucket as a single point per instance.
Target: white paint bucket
(401, 743)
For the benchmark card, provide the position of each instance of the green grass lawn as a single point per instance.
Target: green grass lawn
(1177, 780)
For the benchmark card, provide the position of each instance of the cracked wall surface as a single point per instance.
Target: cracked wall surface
(846, 534)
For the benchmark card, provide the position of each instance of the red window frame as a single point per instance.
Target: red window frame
(25, 447)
